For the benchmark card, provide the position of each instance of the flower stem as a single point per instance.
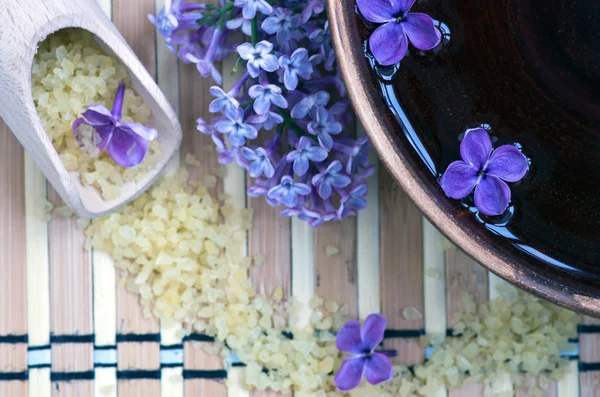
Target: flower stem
(117, 109)
(254, 26)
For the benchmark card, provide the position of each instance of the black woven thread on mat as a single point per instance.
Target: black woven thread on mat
(403, 333)
(8, 376)
(198, 338)
(204, 374)
(138, 338)
(13, 339)
(138, 374)
(72, 338)
(588, 329)
(71, 376)
(587, 367)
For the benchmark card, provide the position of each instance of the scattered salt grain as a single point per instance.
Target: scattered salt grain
(411, 313)
(330, 250)
(433, 273)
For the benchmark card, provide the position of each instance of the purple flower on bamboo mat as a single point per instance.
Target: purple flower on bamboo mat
(486, 170)
(365, 362)
(389, 42)
(258, 57)
(99, 129)
(251, 7)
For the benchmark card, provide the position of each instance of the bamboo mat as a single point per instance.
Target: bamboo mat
(66, 329)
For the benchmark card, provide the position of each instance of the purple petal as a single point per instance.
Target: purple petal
(378, 11)
(255, 169)
(350, 374)
(127, 149)
(269, 63)
(508, 163)
(476, 147)
(301, 165)
(262, 105)
(148, 134)
(349, 338)
(388, 43)
(492, 196)
(98, 115)
(290, 80)
(372, 331)
(421, 31)
(378, 369)
(459, 180)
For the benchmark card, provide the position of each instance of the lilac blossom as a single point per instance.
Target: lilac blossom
(361, 342)
(295, 66)
(276, 119)
(266, 95)
(330, 178)
(486, 170)
(237, 130)
(306, 151)
(100, 129)
(251, 7)
(323, 127)
(258, 57)
(389, 42)
(288, 191)
(281, 23)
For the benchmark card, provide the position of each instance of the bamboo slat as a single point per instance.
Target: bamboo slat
(463, 276)
(367, 247)
(13, 305)
(136, 357)
(401, 241)
(589, 354)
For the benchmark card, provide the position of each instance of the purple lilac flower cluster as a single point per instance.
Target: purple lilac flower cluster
(283, 120)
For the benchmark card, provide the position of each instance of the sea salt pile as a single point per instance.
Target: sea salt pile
(70, 72)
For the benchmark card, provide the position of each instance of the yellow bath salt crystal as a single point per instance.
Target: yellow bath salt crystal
(69, 73)
(331, 250)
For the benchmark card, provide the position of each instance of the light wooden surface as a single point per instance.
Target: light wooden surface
(24, 25)
(52, 287)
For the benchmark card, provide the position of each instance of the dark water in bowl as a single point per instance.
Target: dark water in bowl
(529, 71)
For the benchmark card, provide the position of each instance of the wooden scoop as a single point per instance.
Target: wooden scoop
(24, 25)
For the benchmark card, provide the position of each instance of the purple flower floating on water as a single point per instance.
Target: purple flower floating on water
(484, 169)
(389, 42)
(277, 118)
(99, 129)
(366, 362)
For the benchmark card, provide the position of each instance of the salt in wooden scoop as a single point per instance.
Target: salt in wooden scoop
(26, 23)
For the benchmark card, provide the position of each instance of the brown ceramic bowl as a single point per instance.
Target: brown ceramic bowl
(531, 75)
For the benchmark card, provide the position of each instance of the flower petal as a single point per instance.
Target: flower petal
(349, 339)
(127, 149)
(301, 165)
(261, 105)
(147, 133)
(388, 43)
(459, 180)
(508, 163)
(421, 31)
(98, 115)
(378, 11)
(350, 374)
(476, 147)
(372, 331)
(378, 369)
(492, 196)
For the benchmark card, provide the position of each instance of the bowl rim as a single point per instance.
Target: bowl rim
(372, 114)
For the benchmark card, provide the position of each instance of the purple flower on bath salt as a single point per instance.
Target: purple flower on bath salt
(266, 95)
(99, 129)
(250, 7)
(389, 42)
(330, 178)
(322, 127)
(366, 362)
(294, 66)
(486, 170)
(258, 57)
(237, 130)
(305, 152)
(260, 163)
(287, 191)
